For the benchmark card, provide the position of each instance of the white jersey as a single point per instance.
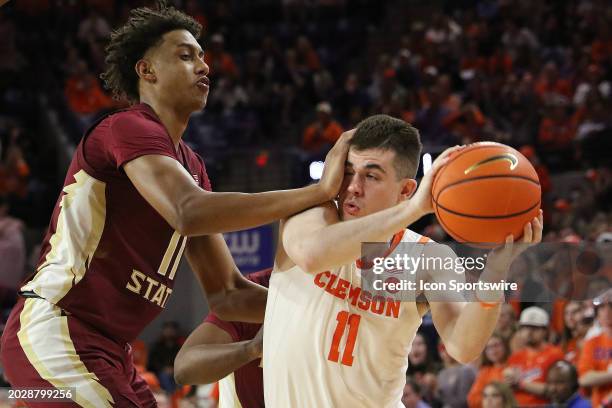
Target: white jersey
(328, 343)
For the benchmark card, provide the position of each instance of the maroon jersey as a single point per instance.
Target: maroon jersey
(248, 378)
(108, 257)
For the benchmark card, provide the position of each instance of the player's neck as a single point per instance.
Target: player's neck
(175, 122)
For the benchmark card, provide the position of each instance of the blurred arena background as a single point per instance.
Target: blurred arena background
(287, 77)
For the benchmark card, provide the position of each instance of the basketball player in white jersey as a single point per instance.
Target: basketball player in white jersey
(327, 341)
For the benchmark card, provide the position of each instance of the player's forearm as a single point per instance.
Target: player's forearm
(204, 213)
(345, 238)
(207, 363)
(595, 378)
(471, 330)
(244, 303)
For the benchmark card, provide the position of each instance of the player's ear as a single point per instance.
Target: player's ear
(144, 69)
(409, 186)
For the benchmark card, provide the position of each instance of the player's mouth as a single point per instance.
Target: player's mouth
(350, 208)
(203, 84)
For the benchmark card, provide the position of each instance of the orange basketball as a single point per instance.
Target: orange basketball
(485, 192)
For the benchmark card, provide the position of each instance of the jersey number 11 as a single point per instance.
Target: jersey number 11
(343, 319)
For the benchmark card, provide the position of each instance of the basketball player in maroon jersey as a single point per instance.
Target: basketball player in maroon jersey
(134, 198)
(228, 352)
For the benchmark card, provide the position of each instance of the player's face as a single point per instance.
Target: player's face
(491, 398)
(371, 183)
(180, 71)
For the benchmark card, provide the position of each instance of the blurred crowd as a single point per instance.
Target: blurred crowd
(293, 74)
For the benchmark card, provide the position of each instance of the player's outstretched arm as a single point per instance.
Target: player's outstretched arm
(190, 210)
(465, 327)
(209, 354)
(316, 240)
(230, 295)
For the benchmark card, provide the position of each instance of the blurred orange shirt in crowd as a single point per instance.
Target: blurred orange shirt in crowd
(533, 366)
(485, 375)
(315, 137)
(596, 355)
(85, 96)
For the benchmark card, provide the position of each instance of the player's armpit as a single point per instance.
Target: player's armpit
(302, 237)
(230, 295)
(209, 354)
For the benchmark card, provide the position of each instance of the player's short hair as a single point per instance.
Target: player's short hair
(129, 43)
(388, 133)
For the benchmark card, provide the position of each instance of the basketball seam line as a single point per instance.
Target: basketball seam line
(459, 155)
(486, 177)
(488, 216)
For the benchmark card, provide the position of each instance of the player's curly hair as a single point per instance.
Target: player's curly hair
(143, 30)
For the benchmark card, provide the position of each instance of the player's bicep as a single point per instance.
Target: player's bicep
(299, 232)
(164, 184)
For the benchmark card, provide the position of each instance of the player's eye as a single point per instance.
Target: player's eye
(186, 57)
(372, 177)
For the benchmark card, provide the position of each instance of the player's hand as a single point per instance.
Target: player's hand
(335, 161)
(500, 259)
(422, 198)
(256, 344)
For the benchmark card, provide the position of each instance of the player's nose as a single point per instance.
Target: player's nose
(202, 67)
(355, 185)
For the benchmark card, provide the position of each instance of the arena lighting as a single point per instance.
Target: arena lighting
(316, 170)
(426, 163)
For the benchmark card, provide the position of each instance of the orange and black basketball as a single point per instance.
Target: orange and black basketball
(485, 192)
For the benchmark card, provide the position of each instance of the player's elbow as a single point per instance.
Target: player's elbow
(464, 354)
(181, 369)
(306, 257)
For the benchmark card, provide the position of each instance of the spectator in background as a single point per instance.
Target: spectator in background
(352, 96)
(93, 28)
(527, 368)
(422, 368)
(558, 128)
(550, 85)
(12, 257)
(85, 95)
(562, 386)
(498, 395)
(412, 395)
(320, 135)
(454, 381)
(596, 355)
(163, 353)
(506, 325)
(491, 368)
(14, 169)
(220, 62)
(573, 331)
(593, 81)
(430, 121)
(307, 57)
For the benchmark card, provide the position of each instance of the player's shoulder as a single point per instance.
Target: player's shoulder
(140, 117)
